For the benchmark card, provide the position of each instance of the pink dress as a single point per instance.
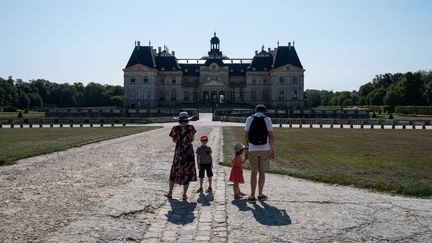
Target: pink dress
(237, 170)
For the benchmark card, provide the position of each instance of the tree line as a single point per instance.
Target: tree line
(40, 93)
(399, 89)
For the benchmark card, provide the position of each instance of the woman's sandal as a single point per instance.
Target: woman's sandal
(242, 194)
(184, 197)
(168, 195)
(238, 196)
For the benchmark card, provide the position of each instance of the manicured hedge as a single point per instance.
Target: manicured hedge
(418, 110)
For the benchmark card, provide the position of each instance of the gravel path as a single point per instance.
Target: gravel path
(113, 191)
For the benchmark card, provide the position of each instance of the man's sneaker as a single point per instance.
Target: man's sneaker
(262, 197)
(251, 199)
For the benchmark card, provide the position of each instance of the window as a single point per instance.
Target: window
(281, 95)
(161, 81)
(232, 95)
(294, 81)
(145, 79)
(254, 81)
(132, 79)
(186, 96)
(195, 95)
(281, 79)
(173, 95)
(294, 98)
(265, 94)
(253, 94)
(146, 95)
(162, 94)
(173, 81)
(265, 81)
(241, 96)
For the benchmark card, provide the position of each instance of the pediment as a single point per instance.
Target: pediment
(212, 83)
(288, 67)
(138, 68)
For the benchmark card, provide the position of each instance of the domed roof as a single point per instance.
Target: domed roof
(214, 39)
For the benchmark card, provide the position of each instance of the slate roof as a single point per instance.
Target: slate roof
(218, 61)
(142, 55)
(286, 55)
(166, 62)
(262, 61)
(190, 69)
(237, 69)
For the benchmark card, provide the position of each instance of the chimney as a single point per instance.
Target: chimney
(173, 53)
(269, 50)
(139, 43)
(159, 49)
(256, 52)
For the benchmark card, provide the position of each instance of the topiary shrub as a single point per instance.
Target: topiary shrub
(20, 115)
(374, 115)
(391, 116)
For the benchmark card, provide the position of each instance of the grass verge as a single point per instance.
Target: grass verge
(395, 161)
(22, 143)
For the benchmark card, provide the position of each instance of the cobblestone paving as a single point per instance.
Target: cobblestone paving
(112, 191)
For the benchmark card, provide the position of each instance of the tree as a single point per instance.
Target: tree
(376, 97)
(23, 101)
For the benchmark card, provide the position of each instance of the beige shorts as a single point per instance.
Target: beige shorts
(259, 160)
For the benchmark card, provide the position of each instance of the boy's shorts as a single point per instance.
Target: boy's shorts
(259, 160)
(207, 168)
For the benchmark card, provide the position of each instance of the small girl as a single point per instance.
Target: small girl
(236, 175)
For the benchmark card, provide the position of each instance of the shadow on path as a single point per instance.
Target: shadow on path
(264, 213)
(204, 199)
(181, 212)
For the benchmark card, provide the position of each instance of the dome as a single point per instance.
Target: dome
(214, 39)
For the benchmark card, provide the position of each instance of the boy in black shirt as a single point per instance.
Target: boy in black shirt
(205, 164)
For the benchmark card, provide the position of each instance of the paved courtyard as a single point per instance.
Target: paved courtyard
(113, 191)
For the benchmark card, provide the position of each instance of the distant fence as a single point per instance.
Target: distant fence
(115, 112)
(302, 122)
(305, 113)
(81, 121)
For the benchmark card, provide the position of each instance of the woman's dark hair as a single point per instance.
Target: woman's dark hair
(260, 108)
(183, 121)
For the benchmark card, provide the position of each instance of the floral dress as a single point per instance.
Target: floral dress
(183, 168)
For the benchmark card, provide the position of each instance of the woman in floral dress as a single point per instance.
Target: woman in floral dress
(183, 168)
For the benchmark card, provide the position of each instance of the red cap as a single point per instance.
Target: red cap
(204, 138)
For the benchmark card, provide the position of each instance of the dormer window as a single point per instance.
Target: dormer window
(162, 69)
(145, 80)
(132, 80)
(173, 68)
(173, 81)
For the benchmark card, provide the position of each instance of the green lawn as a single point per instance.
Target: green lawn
(21, 143)
(396, 161)
(29, 115)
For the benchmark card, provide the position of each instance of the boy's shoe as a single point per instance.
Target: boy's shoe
(209, 190)
(262, 197)
(199, 190)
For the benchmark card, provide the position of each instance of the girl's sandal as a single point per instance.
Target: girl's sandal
(184, 197)
(168, 195)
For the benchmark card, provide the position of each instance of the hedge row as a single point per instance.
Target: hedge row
(418, 110)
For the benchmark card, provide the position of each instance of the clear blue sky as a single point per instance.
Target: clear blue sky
(341, 44)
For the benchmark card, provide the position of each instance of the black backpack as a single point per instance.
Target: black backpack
(258, 131)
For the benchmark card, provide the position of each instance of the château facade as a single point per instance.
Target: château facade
(156, 78)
